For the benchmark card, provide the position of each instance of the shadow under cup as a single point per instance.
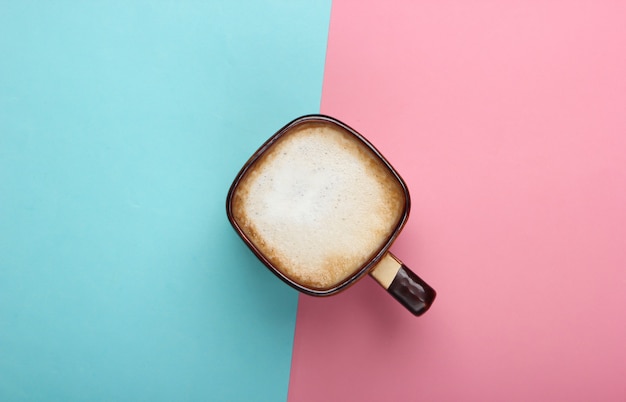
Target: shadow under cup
(320, 207)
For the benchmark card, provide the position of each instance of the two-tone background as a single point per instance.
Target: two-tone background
(122, 125)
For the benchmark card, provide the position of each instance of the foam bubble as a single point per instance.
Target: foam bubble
(318, 204)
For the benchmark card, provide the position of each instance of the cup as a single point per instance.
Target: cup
(320, 207)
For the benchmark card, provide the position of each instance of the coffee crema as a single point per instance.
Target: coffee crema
(318, 204)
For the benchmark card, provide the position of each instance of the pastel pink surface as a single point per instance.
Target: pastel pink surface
(507, 120)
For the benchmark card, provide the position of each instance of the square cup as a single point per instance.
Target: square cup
(320, 206)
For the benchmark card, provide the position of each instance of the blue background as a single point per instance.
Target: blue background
(122, 125)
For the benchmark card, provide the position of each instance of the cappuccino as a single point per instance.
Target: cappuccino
(318, 204)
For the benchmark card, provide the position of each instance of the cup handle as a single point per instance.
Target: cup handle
(403, 284)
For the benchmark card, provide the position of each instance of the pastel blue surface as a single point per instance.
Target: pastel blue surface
(122, 125)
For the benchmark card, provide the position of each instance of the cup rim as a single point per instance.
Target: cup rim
(367, 266)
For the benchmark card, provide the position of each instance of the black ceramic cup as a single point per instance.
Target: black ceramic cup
(320, 207)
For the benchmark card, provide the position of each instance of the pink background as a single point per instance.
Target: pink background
(508, 122)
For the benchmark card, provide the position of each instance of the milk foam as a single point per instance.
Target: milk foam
(319, 205)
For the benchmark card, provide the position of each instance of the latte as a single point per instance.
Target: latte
(318, 204)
